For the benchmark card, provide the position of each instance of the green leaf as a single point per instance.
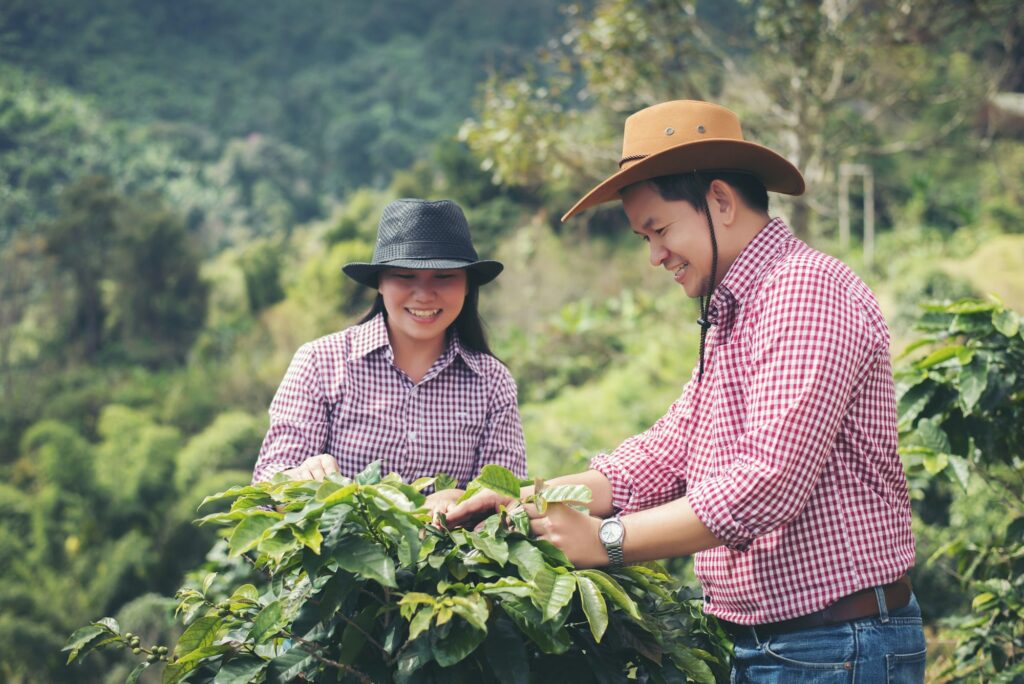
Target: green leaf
(81, 638)
(495, 549)
(370, 475)
(526, 557)
(461, 640)
(1006, 321)
(267, 623)
(278, 544)
(310, 536)
(935, 462)
(241, 670)
(913, 401)
(288, 667)
(553, 592)
(961, 470)
(499, 479)
(929, 434)
(354, 637)
(981, 600)
(246, 490)
(473, 609)
(444, 481)
(250, 530)
(420, 621)
(594, 606)
(568, 493)
(973, 380)
(970, 305)
(613, 590)
(363, 557)
(199, 634)
(334, 497)
(506, 652)
(941, 355)
(134, 675)
(528, 620)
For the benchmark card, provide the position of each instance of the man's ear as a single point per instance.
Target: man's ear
(723, 200)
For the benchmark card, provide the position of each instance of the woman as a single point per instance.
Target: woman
(414, 383)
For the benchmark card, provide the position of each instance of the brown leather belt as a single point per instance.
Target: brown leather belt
(856, 606)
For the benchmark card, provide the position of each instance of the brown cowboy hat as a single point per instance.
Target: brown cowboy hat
(689, 135)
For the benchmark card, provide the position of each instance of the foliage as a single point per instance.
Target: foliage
(131, 273)
(363, 589)
(961, 413)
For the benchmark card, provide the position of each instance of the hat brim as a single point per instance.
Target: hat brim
(716, 154)
(483, 271)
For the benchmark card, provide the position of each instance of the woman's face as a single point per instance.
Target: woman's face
(421, 304)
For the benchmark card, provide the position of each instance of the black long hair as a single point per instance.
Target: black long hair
(468, 324)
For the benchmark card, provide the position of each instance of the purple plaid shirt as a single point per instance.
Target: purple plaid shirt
(344, 396)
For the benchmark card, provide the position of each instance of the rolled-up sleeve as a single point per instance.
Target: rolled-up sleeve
(809, 351)
(299, 418)
(502, 442)
(648, 469)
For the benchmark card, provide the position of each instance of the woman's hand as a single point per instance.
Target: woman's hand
(572, 531)
(441, 502)
(314, 468)
(475, 508)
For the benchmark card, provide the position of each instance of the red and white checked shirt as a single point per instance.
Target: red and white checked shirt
(344, 396)
(787, 449)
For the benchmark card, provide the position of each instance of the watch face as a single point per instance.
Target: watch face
(611, 531)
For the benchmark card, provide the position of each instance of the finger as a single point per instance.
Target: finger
(316, 471)
(330, 464)
(540, 527)
(532, 511)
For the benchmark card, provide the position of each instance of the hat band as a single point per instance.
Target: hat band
(423, 250)
(632, 158)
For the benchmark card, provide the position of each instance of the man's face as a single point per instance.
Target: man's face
(677, 234)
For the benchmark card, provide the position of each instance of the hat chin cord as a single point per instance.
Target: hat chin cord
(705, 300)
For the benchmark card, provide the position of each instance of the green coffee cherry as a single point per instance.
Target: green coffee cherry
(152, 657)
(136, 650)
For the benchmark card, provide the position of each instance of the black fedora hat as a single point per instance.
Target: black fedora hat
(421, 234)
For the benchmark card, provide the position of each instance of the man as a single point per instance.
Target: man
(778, 465)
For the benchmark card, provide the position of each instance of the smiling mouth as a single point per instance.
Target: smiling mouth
(423, 313)
(680, 272)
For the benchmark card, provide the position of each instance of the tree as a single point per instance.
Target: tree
(821, 82)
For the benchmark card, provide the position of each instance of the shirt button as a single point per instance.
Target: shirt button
(412, 435)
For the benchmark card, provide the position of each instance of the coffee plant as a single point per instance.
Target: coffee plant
(961, 412)
(361, 587)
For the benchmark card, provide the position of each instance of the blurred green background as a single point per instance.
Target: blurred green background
(180, 182)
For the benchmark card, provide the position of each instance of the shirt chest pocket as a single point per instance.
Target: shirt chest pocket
(728, 405)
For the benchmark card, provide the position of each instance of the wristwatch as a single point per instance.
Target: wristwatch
(612, 533)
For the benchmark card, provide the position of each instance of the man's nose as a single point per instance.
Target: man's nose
(658, 253)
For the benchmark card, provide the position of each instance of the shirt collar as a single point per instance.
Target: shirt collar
(751, 262)
(373, 335)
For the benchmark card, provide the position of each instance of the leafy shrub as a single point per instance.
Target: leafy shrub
(363, 589)
(961, 413)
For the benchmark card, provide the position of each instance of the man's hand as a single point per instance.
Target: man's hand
(441, 502)
(574, 532)
(475, 508)
(314, 468)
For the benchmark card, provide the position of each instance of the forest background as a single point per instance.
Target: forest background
(181, 181)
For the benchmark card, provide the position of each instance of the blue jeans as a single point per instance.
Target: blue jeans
(887, 648)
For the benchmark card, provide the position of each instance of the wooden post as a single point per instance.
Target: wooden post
(846, 171)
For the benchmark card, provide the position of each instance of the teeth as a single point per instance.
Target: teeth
(424, 313)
